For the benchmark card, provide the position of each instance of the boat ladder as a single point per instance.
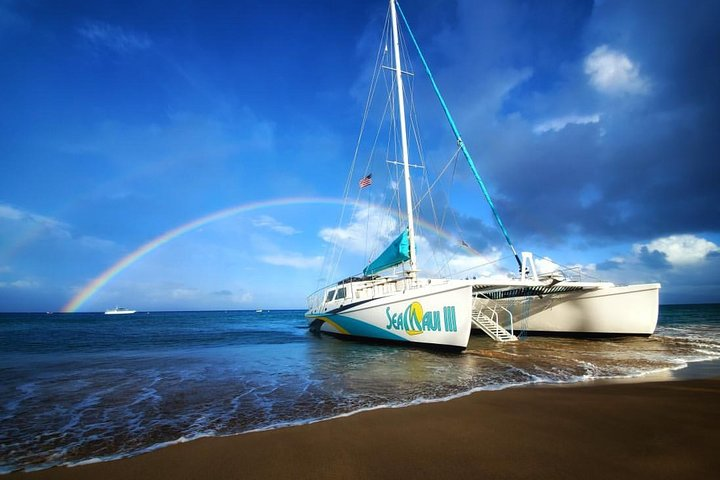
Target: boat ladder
(490, 324)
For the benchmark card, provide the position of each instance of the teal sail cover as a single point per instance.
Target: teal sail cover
(397, 253)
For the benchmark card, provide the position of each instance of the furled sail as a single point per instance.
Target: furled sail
(395, 254)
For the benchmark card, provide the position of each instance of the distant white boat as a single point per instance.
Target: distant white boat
(119, 311)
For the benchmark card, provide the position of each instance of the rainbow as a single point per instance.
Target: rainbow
(101, 280)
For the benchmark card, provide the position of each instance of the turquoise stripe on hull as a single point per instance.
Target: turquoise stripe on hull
(362, 329)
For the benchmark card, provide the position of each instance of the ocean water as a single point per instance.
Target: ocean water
(78, 388)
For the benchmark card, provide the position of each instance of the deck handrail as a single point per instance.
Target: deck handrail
(493, 307)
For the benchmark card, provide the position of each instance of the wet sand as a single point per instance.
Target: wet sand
(653, 430)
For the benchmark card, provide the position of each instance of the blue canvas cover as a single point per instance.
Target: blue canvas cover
(397, 253)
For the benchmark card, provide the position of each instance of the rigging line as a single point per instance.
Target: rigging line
(465, 151)
(437, 179)
(371, 95)
(417, 136)
(397, 201)
(448, 209)
(482, 265)
(367, 228)
(336, 252)
(415, 129)
(393, 143)
(430, 187)
(438, 224)
(443, 264)
(386, 124)
(563, 268)
(453, 214)
(445, 267)
(370, 247)
(389, 113)
(389, 105)
(415, 126)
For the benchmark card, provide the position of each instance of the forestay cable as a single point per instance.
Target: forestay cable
(460, 142)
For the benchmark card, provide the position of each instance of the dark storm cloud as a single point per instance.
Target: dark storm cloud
(477, 234)
(609, 265)
(653, 259)
(474, 232)
(645, 167)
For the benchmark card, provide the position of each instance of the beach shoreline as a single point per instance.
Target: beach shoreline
(640, 429)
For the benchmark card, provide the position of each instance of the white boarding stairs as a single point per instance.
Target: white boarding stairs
(485, 311)
(491, 326)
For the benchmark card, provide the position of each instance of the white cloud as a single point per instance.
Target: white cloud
(26, 226)
(546, 265)
(19, 284)
(243, 297)
(485, 266)
(575, 271)
(24, 223)
(357, 237)
(11, 213)
(266, 221)
(184, 293)
(680, 250)
(111, 37)
(433, 258)
(557, 124)
(239, 297)
(612, 72)
(293, 260)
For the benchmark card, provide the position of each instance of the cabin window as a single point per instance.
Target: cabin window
(330, 296)
(340, 293)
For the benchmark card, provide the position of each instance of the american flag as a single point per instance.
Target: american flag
(366, 181)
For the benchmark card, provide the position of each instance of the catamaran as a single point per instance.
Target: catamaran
(390, 300)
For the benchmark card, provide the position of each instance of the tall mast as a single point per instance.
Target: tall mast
(403, 139)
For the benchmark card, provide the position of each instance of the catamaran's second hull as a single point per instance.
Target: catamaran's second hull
(612, 311)
(434, 315)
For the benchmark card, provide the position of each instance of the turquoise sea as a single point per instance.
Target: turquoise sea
(85, 387)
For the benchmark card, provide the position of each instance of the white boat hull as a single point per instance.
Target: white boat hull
(434, 315)
(119, 312)
(616, 310)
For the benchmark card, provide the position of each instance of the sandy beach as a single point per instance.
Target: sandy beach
(650, 430)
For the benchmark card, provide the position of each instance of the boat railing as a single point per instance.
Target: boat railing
(484, 306)
(315, 299)
(574, 274)
(319, 300)
(360, 289)
(529, 270)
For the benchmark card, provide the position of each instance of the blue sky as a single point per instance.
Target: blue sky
(595, 124)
